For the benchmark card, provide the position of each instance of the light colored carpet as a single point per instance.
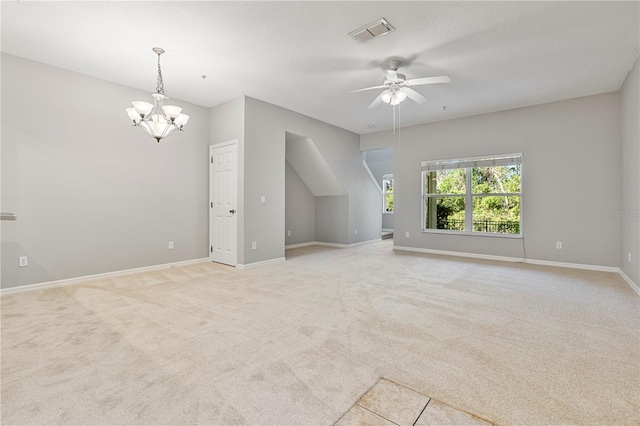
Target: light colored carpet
(299, 342)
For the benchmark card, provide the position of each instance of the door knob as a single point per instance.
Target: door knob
(232, 211)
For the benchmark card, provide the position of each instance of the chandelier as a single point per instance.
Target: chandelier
(158, 120)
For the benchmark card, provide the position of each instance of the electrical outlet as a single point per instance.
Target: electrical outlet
(559, 245)
(406, 234)
(288, 233)
(629, 257)
(355, 232)
(23, 261)
(170, 245)
(263, 199)
(254, 245)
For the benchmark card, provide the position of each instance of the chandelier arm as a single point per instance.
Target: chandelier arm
(145, 126)
(167, 130)
(170, 129)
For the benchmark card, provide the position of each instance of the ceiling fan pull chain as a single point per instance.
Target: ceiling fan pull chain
(394, 119)
(399, 129)
(399, 124)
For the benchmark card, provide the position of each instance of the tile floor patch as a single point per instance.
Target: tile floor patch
(388, 403)
(361, 416)
(397, 403)
(438, 413)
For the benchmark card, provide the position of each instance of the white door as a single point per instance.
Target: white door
(223, 202)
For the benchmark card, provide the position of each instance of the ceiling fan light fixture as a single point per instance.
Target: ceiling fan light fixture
(386, 96)
(393, 97)
(398, 97)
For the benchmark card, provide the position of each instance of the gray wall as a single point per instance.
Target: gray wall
(630, 188)
(571, 176)
(332, 219)
(387, 221)
(264, 174)
(93, 194)
(305, 158)
(380, 162)
(300, 206)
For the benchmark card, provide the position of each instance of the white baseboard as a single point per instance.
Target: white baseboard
(629, 281)
(261, 263)
(361, 243)
(292, 246)
(459, 254)
(511, 259)
(69, 281)
(338, 245)
(573, 265)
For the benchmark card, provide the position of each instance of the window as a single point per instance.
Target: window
(476, 196)
(387, 194)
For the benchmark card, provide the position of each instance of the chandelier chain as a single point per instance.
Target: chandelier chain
(160, 83)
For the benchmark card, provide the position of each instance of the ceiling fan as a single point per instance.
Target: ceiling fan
(398, 88)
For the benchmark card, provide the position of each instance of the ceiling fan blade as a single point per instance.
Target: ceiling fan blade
(415, 96)
(391, 75)
(376, 101)
(428, 80)
(366, 88)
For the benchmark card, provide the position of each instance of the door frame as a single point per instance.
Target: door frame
(212, 147)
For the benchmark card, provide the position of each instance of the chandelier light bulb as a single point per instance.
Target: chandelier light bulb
(133, 115)
(181, 120)
(172, 112)
(142, 108)
(157, 128)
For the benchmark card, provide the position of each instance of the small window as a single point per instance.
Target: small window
(387, 194)
(473, 196)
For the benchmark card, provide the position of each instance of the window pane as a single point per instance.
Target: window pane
(496, 214)
(388, 203)
(387, 187)
(387, 184)
(445, 182)
(444, 213)
(495, 179)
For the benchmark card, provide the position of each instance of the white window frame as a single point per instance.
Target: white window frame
(385, 192)
(468, 164)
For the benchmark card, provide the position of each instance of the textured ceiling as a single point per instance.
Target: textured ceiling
(298, 55)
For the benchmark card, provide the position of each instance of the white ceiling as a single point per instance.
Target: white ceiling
(297, 55)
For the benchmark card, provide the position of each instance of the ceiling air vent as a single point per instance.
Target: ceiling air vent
(369, 31)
